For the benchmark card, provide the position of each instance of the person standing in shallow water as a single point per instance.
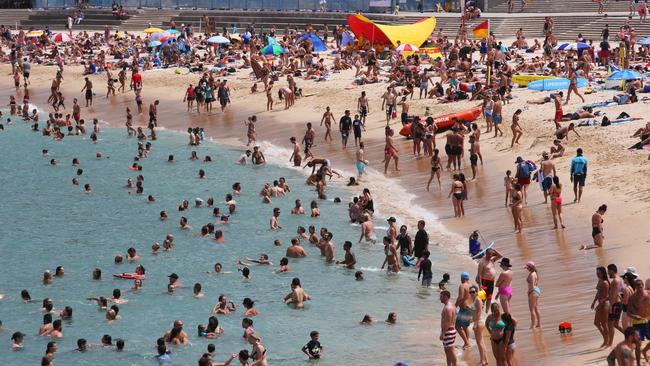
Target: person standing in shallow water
(447, 328)
(597, 229)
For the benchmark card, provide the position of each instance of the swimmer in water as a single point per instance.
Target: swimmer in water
(297, 296)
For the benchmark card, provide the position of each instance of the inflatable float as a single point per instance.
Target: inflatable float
(448, 120)
(555, 84)
(524, 80)
(129, 276)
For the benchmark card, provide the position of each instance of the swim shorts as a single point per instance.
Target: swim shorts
(390, 109)
(427, 279)
(447, 149)
(456, 150)
(361, 167)
(496, 119)
(523, 181)
(615, 311)
(473, 159)
(546, 183)
(643, 329)
(558, 115)
(463, 317)
(449, 338)
(579, 179)
(488, 287)
(363, 111)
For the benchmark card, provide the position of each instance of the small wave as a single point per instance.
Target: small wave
(371, 269)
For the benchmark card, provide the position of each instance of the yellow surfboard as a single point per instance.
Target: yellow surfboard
(523, 80)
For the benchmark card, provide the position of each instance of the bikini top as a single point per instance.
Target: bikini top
(499, 325)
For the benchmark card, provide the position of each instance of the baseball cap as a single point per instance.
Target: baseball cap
(464, 276)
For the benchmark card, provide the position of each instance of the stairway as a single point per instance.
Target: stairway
(142, 18)
(552, 6)
(94, 19)
(13, 17)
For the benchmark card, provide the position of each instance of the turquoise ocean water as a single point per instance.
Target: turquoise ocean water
(47, 222)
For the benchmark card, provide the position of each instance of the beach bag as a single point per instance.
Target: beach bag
(605, 121)
(623, 115)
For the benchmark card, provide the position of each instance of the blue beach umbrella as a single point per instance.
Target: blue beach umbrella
(172, 31)
(348, 38)
(625, 75)
(154, 43)
(218, 39)
(574, 46)
(319, 45)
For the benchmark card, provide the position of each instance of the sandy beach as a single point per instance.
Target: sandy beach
(617, 177)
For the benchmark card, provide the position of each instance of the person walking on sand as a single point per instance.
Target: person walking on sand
(517, 131)
(573, 85)
(516, 199)
(504, 295)
(578, 174)
(363, 106)
(447, 328)
(435, 168)
(556, 202)
(597, 229)
(522, 175)
(458, 191)
(88, 87)
(328, 117)
(547, 172)
(615, 302)
(497, 116)
(534, 292)
(559, 113)
(345, 125)
(601, 304)
(390, 151)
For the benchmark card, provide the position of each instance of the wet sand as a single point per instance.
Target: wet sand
(567, 276)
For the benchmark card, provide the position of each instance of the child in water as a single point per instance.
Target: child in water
(313, 349)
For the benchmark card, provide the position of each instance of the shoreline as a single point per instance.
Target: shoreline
(555, 251)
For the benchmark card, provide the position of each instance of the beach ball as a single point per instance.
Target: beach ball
(481, 295)
(177, 71)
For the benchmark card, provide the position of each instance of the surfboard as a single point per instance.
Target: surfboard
(555, 84)
(524, 80)
(482, 252)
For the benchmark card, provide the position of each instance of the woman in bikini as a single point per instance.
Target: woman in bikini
(390, 151)
(517, 131)
(517, 207)
(258, 354)
(435, 168)
(458, 192)
(504, 284)
(602, 307)
(534, 293)
(597, 229)
(496, 326)
(556, 202)
(573, 86)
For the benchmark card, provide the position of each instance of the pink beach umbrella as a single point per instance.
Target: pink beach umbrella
(62, 38)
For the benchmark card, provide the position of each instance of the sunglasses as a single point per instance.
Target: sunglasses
(472, 292)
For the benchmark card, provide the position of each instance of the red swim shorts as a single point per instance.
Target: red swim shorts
(558, 115)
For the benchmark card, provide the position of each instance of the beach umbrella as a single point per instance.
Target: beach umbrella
(35, 33)
(235, 37)
(574, 46)
(154, 43)
(319, 45)
(273, 49)
(407, 48)
(62, 38)
(348, 38)
(644, 42)
(172, 31)
(153, 30)
(218, 39)
(625, 75)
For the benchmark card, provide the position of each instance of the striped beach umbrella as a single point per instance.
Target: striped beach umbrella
(273, 49)
(573, 46)
(62, 38)
(407, 48)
